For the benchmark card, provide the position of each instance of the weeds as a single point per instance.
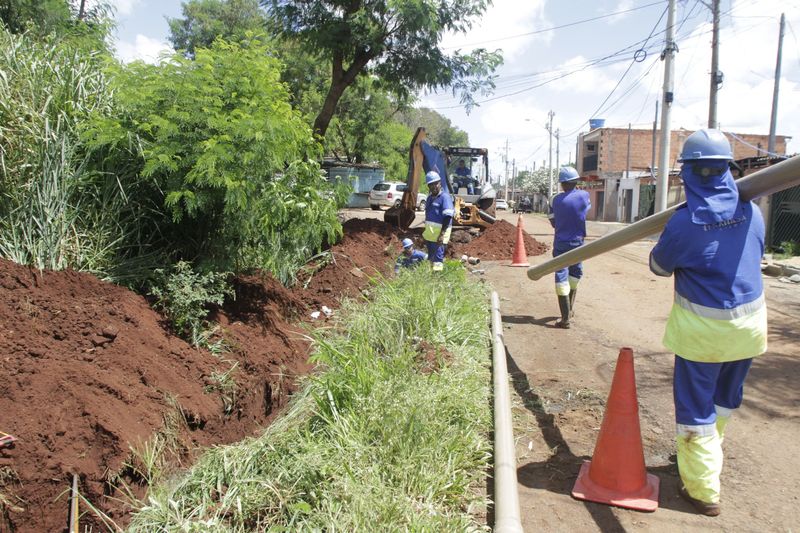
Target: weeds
(153, 460)
(184, 295)
(225, 384)
(370, 444)
(788, 249)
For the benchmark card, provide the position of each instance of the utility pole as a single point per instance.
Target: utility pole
(558, 148)
(774, 119)
(662, 187)
(628, 155)
(505, 189)
(513, 179)
(716, 75)
(549, 127)
(653, 154)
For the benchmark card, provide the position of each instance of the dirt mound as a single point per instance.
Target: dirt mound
(89, 369)
(368, 248)
(497, 243)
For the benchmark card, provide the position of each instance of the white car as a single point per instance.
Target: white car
(390, 193)
(501, 204)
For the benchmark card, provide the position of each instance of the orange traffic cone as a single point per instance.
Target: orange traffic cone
(520, 256)
(616, 474)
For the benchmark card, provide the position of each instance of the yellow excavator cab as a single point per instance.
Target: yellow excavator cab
(476, 210)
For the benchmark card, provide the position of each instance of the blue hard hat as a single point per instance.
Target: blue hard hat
(706, 144)
(408, 243)
(432, 176)
(567, 174)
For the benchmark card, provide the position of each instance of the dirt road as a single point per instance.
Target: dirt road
(562, 377)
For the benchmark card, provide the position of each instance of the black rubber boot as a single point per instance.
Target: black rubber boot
(563, 305)
(572, 302)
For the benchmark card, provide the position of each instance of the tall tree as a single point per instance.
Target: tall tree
(42, 16)
(439, 128)
(205, 20)
(396, 40)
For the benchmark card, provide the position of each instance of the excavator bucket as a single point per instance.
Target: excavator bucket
(402, 216)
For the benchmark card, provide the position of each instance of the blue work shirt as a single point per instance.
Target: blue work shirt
(408, 261)
(568, 212)
(463, 172)
(719, 313)
(437, 210)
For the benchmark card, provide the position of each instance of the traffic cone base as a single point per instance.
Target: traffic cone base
(645, 499)
(520, 258)
(616, 475)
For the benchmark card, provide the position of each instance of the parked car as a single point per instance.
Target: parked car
(501, 204)
(389, 193)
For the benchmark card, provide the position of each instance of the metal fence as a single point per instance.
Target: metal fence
(784, 220)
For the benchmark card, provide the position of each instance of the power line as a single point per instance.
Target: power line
(552, 28)
(561, 76)
(630, 66)
(609, 59)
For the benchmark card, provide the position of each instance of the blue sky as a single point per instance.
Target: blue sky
(558, 70)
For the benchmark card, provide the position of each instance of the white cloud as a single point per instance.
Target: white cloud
(144, 48)
(504, 18)
(622, 5)
(121, 7)
(748, 45)
(747, 58)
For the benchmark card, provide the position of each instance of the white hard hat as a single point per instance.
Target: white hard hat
(432, 176)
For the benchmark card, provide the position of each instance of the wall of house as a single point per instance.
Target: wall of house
(612, 148)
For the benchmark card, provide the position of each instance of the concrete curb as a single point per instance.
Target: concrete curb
(780, 270)
(506, 499)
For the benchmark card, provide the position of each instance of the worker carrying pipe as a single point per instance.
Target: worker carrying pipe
(568, 218)
(718, 323)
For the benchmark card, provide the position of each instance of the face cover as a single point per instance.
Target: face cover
(711, 193)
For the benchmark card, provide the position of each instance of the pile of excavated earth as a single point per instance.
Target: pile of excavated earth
(90, 373)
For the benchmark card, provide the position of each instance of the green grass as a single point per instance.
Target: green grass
(371, 443)
(787, 250)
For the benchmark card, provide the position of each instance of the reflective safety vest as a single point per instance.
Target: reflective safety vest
(719, 313)
(437, 209)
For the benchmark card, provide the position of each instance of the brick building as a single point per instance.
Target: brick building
(625, 193)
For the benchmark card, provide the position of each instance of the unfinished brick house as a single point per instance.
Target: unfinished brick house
(621, 182)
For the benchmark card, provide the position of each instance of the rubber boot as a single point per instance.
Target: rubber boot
(572, 302)
(563, 305)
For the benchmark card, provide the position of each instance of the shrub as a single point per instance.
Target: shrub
(184, 295)
(218, 148)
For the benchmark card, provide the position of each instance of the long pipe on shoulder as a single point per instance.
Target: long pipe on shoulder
(767, 181)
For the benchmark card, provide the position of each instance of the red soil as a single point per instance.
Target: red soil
(87, 370)
(497, 243)
(367, 250)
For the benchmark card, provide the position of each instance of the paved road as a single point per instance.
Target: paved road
(562, 378)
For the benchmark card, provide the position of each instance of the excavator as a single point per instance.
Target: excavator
(475, 210)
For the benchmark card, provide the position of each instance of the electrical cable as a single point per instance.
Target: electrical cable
(545, 30)
(630, 66)
(754, 147)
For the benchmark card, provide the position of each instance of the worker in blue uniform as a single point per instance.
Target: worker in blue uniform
(410, 257)
(718, 322)
(464, 177)
(568, 216)
(439, 213)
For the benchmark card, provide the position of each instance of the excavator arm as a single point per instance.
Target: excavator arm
(402, 216)
(423, 158)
